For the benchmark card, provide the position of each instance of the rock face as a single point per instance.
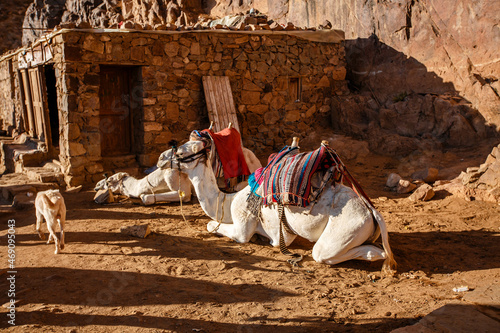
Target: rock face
(143, 14)
(407, 123)
(425, 46)
(11, 20)
(41, 16)
(478, 183)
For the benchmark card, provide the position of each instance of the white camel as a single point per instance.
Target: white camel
(162, 185)
(340, 223)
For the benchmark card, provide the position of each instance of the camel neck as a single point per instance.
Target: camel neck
(215, 203)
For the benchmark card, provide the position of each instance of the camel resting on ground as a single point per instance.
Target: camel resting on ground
(161, 185)
(341, 223)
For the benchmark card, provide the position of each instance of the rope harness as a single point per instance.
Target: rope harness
(179, 191)
(152, 189)
(217, 212)
(296, 257)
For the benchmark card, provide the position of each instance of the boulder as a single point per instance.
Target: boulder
(422, 193)
(405, 186)
(428, 175)
(393, 180)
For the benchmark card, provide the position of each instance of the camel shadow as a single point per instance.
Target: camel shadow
(446, 252)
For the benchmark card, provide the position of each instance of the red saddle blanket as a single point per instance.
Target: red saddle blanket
(230, 154)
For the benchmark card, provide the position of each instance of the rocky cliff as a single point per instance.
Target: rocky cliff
(429, 46)
(11, 21)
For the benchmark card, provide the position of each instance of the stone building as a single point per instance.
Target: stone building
(103, 100)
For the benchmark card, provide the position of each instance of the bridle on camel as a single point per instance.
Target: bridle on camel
(190, 158)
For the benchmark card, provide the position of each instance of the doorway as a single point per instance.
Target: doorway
(115, 125)
(50, 83)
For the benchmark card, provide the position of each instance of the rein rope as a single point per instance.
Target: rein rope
(217, 212)
(283, 248)
(179, 191)
(152, 188)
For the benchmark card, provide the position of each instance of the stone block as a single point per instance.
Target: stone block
(250, 86)
(195, 48)
(94, 168)
(259, 109)
(149, 101)
(204, 66)
(172, 111)
(323, 82)
(141, 231)
(92, 45)
(76, 149)
(172, 49)
(250, 97)
(163, 138)
(152, 126)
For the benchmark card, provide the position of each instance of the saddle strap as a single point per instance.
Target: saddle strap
(283, 248)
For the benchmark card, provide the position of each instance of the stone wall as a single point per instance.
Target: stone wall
(170, 95)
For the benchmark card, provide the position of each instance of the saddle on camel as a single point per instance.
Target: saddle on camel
(297, 179)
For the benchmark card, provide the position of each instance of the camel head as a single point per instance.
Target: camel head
(164, 159)
(113, 182)
(101, 185)
(190, 152)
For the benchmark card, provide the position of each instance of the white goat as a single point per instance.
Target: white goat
(50, 205)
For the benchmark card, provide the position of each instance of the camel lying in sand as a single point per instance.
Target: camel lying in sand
(341, 223)
(161, 185)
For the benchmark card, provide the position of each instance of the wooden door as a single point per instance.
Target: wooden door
(37, 102)
(115, 119)
(31, 129)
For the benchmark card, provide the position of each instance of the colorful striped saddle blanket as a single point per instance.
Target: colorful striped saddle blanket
(287, 177)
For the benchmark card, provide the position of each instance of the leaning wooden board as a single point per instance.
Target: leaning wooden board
(220, 103)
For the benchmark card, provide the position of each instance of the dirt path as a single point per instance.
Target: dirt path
(183, 279)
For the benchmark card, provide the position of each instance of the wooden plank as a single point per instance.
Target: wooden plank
(37, 102)
(230, 108)
(220, 103)
(28, 102)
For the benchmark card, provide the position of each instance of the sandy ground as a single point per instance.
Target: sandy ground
(183, 279)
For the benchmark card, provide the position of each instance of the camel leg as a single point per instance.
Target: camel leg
(363, 252)
(344, 235)
(39, 220)
(150, 199)
(244, 223)
(270, 219)
(239, 231)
